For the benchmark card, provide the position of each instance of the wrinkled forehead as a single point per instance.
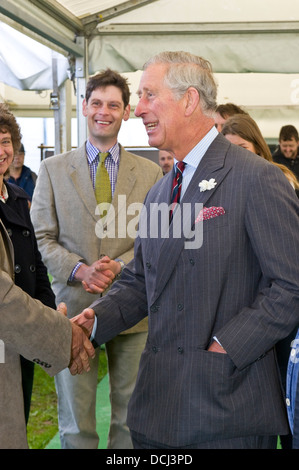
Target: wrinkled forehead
(152, 77)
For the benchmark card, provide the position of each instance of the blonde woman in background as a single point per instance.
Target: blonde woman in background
(243, 131)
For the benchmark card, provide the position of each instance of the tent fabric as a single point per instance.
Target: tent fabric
(255, 36)
(26, 64)
(227, 53)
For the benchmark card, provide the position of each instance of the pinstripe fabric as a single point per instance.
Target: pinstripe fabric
(242, 285)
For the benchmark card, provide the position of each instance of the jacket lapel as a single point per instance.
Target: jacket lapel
(212, 165)
(79, 173)
(8, 256)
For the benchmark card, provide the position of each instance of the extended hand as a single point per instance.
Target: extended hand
(81, 351)
(85, 320)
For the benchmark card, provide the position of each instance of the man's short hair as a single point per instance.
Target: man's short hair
(288, 132)
(108, 78)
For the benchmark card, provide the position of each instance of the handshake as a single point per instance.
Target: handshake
(81, 349)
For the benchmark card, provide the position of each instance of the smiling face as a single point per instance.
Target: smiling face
(160, 111)
(6, 153)
(289, 148)
(104, 112)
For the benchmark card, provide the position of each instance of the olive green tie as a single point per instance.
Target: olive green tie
(102, 184)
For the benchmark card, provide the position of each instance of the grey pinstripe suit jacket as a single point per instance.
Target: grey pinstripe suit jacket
(242, 285)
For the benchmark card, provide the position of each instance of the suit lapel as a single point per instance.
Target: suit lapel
(212, 165)
(8, 258)
(80, 176)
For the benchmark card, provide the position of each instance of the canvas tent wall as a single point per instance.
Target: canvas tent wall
(252, 45)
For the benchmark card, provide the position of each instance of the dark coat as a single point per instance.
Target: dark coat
(30, 272)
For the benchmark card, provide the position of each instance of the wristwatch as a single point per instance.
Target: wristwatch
(122, 265)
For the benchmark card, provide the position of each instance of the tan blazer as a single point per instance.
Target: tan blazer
(28, 328)
(64, 216)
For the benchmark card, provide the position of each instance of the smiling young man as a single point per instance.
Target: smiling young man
(64, 214)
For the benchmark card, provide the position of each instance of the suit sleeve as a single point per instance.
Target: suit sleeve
(272, 225)
(34, 331)
(44, 218)
(125, 304)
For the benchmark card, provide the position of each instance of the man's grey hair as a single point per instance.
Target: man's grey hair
(188, 70)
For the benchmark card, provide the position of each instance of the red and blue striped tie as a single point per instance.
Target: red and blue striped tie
(176, 187)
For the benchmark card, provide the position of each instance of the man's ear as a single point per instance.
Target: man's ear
(84, 105)
(127, 113)
(192, 101)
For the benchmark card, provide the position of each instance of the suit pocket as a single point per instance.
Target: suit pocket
(230, 403)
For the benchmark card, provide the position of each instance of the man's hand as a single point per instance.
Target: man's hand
(98, 277)
(81, 351)
(62, 308)
(215, 347)
(85, 320)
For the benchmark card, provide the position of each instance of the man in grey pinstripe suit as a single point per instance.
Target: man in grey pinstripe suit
(208, 376)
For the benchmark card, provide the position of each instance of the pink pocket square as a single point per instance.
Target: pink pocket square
(209, 213)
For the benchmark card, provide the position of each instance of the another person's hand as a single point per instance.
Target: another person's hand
(81, 351)
(85, 320)
(82, 348)
(98, 277)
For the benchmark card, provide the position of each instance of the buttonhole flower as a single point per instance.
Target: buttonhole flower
(205, 185)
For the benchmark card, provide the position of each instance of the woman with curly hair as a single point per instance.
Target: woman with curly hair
(30, 272)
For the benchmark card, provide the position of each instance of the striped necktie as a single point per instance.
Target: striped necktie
(176, 187)
(102, 183)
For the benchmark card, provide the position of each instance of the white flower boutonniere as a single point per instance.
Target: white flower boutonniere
(206, 185)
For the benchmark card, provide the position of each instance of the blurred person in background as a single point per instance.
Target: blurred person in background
(165, 161)
(243, 131)
(287, 152)
(20, 174)
(224, 111)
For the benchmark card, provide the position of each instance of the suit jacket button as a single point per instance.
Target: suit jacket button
(148, 265)
(26, 233)
(180, 350)
(18, 269)
(192, 262)
(180, 306)
(9, 231)
(154, 308)
(32, 268)
(155, 349)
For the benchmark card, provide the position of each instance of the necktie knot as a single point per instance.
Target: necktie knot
(103, 156)
(180, 166)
